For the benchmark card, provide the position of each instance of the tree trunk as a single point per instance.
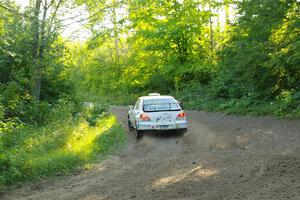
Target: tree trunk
(35, 46)
(40, 65)
(211, 28)
(226, 14)
(115, 32)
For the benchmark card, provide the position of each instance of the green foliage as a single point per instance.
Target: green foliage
(92, 113)
(52, 133)
(201, 97)
(16, 69)
(29, 152)
(250, 65)
(248, 58)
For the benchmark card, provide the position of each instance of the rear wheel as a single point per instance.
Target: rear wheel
(139, 134)
(182, 131)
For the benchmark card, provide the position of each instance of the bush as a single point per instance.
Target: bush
(93, 112)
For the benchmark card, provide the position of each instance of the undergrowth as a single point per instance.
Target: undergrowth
(65, 143)
(198, 97)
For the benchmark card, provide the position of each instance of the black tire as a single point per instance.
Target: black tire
(139, 134)
(130, 127)
(182, 131)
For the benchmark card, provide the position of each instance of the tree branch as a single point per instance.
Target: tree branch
(56, 9)
(12, 11)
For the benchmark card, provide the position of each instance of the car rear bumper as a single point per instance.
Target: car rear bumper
(170, 126)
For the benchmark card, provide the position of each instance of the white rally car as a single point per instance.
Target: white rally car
(156, 112)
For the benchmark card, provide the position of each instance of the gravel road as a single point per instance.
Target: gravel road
(221, 157)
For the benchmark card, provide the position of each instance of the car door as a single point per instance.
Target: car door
(134, 111)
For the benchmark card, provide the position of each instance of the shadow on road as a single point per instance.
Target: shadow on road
(163, 134)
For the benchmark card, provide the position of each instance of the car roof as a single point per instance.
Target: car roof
(156, 97)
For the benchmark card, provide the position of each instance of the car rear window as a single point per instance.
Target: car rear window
(155, 105)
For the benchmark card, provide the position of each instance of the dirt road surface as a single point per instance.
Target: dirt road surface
(221, 157)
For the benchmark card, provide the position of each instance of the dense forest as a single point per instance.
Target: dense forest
(232, 56)
(240, 57)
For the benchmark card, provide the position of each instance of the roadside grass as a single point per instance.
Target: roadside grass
(244, 107)
(58, 147)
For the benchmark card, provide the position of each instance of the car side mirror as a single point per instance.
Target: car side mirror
(181, 105)
(130, 106)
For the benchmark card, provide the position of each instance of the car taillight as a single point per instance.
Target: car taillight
(180, 116)
(144, 117)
